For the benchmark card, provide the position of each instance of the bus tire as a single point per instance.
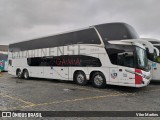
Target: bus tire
(98, 80)
(26, 74)
(19, 74)
(80, 78)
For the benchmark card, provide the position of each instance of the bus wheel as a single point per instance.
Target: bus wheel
(26, 74)
(19, 74)
(98, 80)
(80, 78)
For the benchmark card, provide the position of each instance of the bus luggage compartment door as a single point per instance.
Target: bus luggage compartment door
(61, 73)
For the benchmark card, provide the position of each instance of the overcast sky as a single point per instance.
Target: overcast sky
(26, 19)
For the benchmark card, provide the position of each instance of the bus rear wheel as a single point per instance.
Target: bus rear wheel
(26, 74)
(80, 78)
(98, 80)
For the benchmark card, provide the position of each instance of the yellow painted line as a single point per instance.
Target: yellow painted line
(17, 99)
(68, 101)
(72, 100)
(152, 90)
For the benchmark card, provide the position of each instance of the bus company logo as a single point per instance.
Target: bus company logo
(67, 62)
(113, 74)
(55, 51)
(6, 114)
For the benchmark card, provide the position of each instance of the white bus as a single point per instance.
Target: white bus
(152, 54)
(154, 62)
(91, 54)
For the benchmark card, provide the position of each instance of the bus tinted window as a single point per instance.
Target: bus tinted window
(66, 60)
(154, 42)
(88, 36)
(46, 42)
(116, 31)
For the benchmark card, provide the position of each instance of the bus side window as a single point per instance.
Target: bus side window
(126, 59)
(121, 57)
(10, 62)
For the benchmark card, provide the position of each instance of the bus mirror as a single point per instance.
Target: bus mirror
(125, 54)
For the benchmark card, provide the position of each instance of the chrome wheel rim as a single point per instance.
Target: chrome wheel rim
(80, 78)
(98, 80)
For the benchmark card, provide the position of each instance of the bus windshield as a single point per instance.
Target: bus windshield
(142, 61)
(128, 56)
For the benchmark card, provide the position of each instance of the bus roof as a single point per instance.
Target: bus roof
(114, 23)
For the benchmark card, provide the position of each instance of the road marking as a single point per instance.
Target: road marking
(152, 90)
(78, 99)
(16, 99)
(72, 100)
(115, 93)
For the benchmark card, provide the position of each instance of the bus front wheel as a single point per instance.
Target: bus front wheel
(80, 78)
(98, 80)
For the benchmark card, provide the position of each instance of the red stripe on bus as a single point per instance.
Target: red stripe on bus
(138, 79)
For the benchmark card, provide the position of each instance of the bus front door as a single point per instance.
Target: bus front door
(126, 76)
(125, 64)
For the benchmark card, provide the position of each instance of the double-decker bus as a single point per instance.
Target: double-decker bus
(3, 61)
(91, 54)
(155, 63)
